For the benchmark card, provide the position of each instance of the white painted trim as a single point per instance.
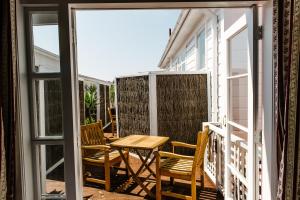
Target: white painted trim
(237, 27)
(147, 5)
(82, 4)
(162, 73)
(236, 125)
(227, 139)
(209, 96)
(269, 151)
(244, 21)
(73, 175)
(236, 173)
(88, 78)
(116, 107)
(153, 105)
(53, 167)
(237, 76)
(251, 164)
(24, 160)
(215, 68)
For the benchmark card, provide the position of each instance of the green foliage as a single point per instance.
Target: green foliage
(91, 101)
(112, 94)
(89, 120)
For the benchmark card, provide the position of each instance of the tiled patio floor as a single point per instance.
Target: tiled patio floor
(123, 189)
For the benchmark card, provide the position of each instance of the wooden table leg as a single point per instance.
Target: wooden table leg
(145, 161)
(135, 175)
(143, 164)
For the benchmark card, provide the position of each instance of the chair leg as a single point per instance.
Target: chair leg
(202, 176)
(171, 181)
(107, 176)
(158, 187)
(194, 191)
(127, 158)
(158, 178)
(83, 174)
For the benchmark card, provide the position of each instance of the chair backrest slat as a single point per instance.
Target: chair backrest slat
(92, 134)
(112, 114)
(202, 140)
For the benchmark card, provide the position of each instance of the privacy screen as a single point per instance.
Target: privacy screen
(133, 105)
(181, 106)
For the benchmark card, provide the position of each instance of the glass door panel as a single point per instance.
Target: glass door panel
(44, 29)
(52, 180)
(240, 153)
(239, 52)
(48, 107)
(238, 100)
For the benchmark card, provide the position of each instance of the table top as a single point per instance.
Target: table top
(140, 142)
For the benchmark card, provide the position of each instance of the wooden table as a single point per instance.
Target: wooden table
(136, 143)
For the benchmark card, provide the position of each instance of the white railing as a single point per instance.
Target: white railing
(215, 163)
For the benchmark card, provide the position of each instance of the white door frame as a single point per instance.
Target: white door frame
(245, 21)
(69, 72)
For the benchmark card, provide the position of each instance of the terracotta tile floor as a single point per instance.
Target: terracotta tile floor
(123, 189)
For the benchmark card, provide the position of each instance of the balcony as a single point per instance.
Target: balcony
(125, 189)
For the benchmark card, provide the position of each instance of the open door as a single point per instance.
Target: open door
(52, 104)
(241, 67)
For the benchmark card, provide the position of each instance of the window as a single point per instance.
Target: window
(182, 62)
(201, 48)
(46, 102)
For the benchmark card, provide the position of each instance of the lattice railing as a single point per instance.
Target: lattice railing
(215, 163)
(259, 172)
(238, 169)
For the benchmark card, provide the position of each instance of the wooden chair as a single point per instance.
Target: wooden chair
(96, 152)
(181, 166)
(112, 116)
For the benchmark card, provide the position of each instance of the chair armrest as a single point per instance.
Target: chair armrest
(159, 154)
(182, 144)
(96, 147)
(111, 139)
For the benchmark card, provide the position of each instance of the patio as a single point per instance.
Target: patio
(123, 189)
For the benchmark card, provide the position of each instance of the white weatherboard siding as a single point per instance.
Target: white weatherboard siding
(190, 55)
(221, 71)
(187, 58)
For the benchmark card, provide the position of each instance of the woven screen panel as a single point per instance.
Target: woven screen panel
(102, 103)
(106, 103)
(54, 126)
(81, 101)
(133, 105)
(53, 108)
(181, 107)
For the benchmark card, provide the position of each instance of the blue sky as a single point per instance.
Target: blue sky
(113, 43)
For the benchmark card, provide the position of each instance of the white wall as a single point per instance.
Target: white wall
(46, 61)
(190, 52)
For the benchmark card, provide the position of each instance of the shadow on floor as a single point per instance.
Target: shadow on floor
(122, 185)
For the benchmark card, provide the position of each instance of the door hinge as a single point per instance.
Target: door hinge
(260, 31)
